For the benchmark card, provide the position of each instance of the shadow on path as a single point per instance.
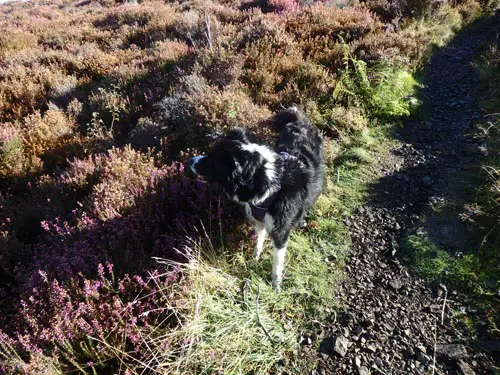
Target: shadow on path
(391, 316)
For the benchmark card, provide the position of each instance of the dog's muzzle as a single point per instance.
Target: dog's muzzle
(193, 161)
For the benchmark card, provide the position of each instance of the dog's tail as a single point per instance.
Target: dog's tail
(292, 114)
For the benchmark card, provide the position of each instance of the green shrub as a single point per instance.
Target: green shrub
(382, 94)
(111, 107)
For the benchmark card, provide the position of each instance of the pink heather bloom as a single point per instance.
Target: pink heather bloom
(7, 134)
(100, 270)
(284, 6)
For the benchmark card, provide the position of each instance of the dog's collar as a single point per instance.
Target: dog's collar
(259, 211)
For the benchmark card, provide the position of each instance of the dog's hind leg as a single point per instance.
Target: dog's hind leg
(261, 237)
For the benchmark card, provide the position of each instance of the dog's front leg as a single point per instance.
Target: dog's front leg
(280, 244)
(261, 232)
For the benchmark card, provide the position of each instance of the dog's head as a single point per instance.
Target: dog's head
(247, 171)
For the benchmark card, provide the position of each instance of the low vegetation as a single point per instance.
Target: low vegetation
(111, 261)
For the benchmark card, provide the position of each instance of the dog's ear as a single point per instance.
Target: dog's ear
(240, 134)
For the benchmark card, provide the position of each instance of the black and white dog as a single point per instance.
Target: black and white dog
(276, 187)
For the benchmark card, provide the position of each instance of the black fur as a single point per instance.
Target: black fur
(251, 174)
(302, 181)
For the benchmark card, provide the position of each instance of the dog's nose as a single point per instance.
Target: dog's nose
(193, 161)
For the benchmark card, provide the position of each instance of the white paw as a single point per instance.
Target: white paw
(256, 254)
(276, 283)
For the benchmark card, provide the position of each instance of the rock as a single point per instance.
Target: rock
(465, 368)
(422, 349)
(422, 357)
(451, 351)
(357, 361)
(363, 371)
(341, 345)
(359, 330)
(396, 284)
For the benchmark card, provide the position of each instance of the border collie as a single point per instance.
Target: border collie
(276, 187)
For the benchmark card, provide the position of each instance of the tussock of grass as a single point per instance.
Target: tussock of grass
(238, 325)
(357, 155)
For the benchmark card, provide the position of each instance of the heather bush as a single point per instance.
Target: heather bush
(16, 40)
(44, 132)
(173, 116)
(87, 322)
(391, 45)
(163, 23)
(12, 158)
(114, 180)
(319, 20)
(221, 68)
(259, 26)
(90, 61)
(414, 40)
(222, 110)
(77, 78)
(167, 51)
(267, 68)
(23, 89)
(309, 82)
(197, 112)
(284, 6)
(399, 9)
(345, 121)
(130, 209)
(323, 50)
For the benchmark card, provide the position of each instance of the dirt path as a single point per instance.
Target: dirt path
(390, 316)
